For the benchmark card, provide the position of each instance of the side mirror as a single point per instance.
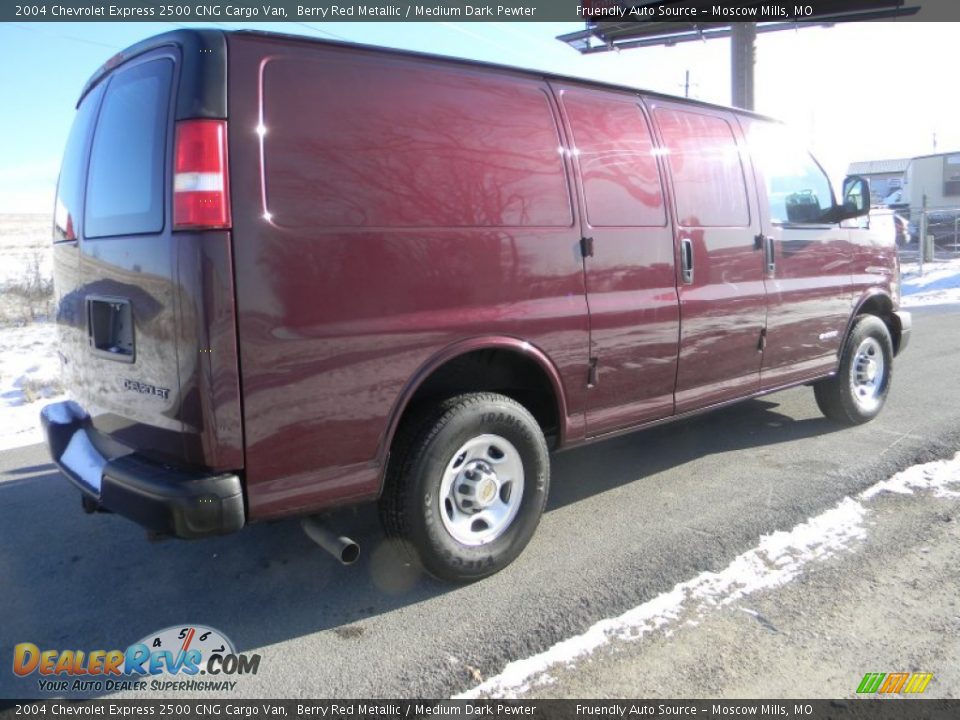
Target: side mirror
(855, 199)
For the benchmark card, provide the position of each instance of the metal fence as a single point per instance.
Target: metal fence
(923, 235)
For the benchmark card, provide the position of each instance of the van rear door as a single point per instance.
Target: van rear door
(154, 357)
(128, 377)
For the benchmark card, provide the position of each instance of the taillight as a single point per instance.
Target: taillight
(201, 198)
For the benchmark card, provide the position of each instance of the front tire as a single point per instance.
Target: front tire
(858, 391)
(466, 485)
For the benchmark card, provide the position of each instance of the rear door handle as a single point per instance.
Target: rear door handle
(686, 260)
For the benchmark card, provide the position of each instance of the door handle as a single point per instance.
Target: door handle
(769, 252)
(686, 259)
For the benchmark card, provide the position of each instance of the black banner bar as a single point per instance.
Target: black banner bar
(895, 708)
(684, 11)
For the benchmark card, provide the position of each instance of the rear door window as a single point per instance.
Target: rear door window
(125, 185)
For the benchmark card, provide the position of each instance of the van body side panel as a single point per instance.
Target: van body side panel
(630, 277)
(387, 208)
(207, 350)
(873, 265)
(809, 294)
(723, 308)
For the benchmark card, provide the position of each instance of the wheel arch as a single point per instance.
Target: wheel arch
(876, 302)
(519, 357)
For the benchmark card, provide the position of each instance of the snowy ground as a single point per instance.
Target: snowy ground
(617, 655)
(939, 284)
(29, 379)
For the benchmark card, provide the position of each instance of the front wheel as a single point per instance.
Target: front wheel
(858, 391)
(466, 485)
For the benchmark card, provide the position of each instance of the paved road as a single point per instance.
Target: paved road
(628, 519)
(885, 602)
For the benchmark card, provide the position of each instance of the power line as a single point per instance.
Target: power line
(481, 38)
(321, 30)
(62, 36)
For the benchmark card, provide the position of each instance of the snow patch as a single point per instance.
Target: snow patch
(936, 297)
(939, 284)
(778, 559)
(935, 476)
(29, 366)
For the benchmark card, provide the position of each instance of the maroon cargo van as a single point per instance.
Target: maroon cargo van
(294, 275)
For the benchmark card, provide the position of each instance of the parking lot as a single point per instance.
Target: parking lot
(628, 519)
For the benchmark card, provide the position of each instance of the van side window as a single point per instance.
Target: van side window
(705, 166)
(798, 190)
(621, 183)
(125, 184)
(373, 144)
(70, 184)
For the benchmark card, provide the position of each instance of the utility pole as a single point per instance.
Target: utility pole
(922, 243)
(743, 53)
(686, 84)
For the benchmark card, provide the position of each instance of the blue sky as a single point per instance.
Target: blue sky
(857, 91)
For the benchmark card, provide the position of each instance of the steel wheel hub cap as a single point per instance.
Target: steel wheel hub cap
(476, 487)
(481, 490)
(868, 374)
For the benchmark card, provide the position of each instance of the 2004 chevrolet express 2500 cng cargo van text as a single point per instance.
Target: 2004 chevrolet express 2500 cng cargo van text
(294, 275)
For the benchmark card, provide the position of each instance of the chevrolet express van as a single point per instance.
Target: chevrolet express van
(294, 275)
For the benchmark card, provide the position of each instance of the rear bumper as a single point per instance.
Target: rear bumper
(906, 322)
(166, 500)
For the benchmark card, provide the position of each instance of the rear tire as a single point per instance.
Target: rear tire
(466, 485)
(858, 391)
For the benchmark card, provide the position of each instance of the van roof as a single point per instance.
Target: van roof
(191, 35)
(490, 65)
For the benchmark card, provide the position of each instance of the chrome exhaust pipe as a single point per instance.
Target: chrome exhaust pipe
(340, 546)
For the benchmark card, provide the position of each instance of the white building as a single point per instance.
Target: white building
(937, 177)
(884, 176)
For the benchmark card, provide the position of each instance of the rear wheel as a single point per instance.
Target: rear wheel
(467, 484)
(858, 391)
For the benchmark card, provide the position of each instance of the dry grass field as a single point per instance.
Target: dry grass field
(26, 268)
(29, 366)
